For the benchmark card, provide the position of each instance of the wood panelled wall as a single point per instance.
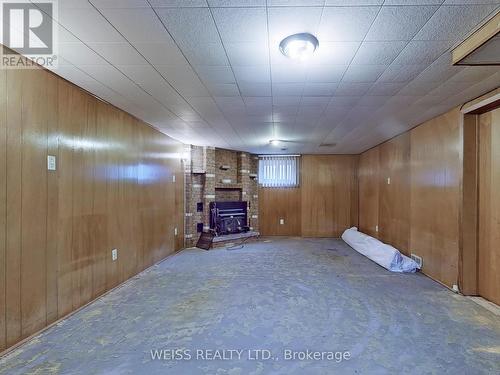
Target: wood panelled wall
(369, 187)
(113, 188)
(329, 187)
(394, 209)
(325, 204)
(276, 204)
(417, 210)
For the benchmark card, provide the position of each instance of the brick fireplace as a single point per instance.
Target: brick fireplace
(218, 175)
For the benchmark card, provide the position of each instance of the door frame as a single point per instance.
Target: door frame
(469, 212)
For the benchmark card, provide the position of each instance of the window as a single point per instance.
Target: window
(279, 171)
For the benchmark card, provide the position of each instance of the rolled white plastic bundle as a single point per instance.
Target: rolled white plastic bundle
(381, 253)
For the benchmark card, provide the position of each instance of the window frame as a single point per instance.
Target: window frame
(281, 183)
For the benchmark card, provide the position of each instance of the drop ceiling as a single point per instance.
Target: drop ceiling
(209, 72)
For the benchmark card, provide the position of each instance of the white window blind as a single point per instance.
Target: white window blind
(279, 171)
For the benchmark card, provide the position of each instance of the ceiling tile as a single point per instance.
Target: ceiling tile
(79, 54)
(342, 101)
(161, 53)
(454, 22)
(284, 89)
(421, 52)
(241, 24)
(440, 70)
(65, 36)
(474, 74)
(190, 26)
(401, 101)
(413, 2)
(378, 52)
(353, 2)
(256, 101)
(431, 99)
(104, 4)
(237, 3)
(215, 74)
(140, 73)
(138, 25)
(252, 74)
(287, 3)
(320, 89)
(72, 4)
(352, 89)
(77, 21)
(469, 2)
(75, 75)
(401, 73)
(255, 89)
(228, 103)
(418, 87)
(363, 73)
(204, 105)
(400, 22)
(285, 112)
(315, 101)
(385, 88)
(205, 54)
(451, 88)
(184, 79)
(258, 105)
(326, 73)
(179, 3)
(118, 53)
(223, 89)
(288, 73)
(243, 54)
(111, 77)
(346, 23)
(284, 101)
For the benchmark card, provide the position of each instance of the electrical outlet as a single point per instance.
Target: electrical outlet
(418, 260)
(376, 228)
(114, 254)
(175, 232)
(282, 221)
(51, 162)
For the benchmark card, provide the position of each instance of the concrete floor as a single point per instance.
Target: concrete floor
(288, 294)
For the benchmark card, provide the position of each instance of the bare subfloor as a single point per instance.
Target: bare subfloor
(285, 295)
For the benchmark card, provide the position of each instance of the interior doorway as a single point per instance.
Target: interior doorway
(479, 266)
(488, 274)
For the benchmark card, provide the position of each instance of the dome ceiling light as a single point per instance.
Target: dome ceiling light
(299, 46)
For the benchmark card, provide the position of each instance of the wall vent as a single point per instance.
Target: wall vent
(418, 260)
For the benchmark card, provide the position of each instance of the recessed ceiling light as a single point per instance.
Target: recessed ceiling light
(299, 46)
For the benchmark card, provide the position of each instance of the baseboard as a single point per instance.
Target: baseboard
(488, 305)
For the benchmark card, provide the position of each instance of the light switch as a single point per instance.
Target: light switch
(51, 162)
(175, 232)
(173, 178)
(114, 254)
(388, 180)
(282, 221)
